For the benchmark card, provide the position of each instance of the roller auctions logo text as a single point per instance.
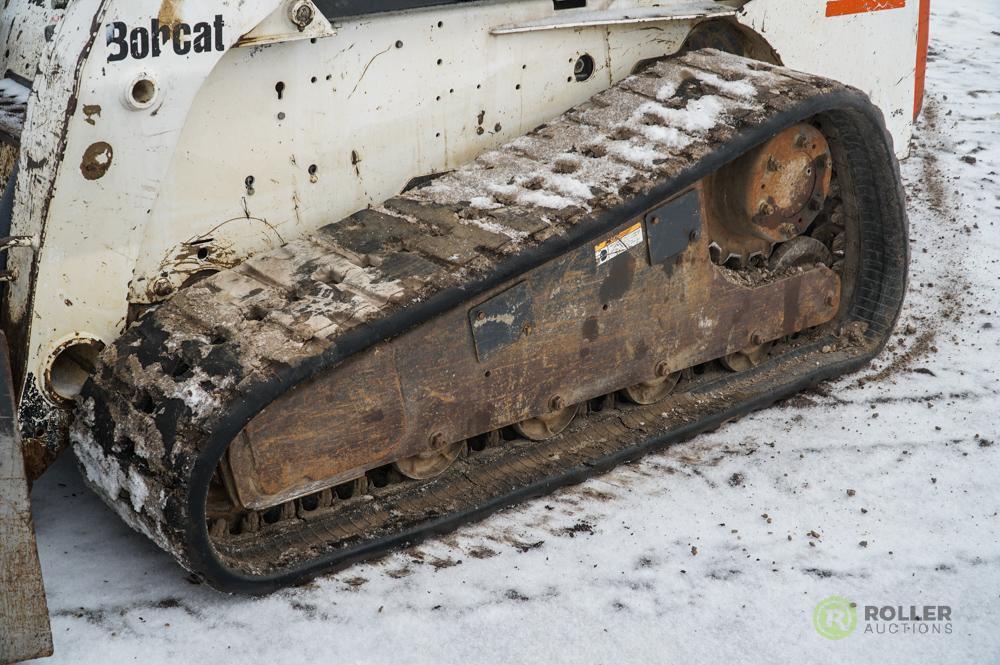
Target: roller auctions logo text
(837, 617)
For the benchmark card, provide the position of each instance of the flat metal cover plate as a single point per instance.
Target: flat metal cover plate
(502, 320)
(673, 226)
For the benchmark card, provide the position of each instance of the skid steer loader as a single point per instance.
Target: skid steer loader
(302, 281)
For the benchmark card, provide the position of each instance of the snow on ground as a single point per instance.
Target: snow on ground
(714, 551)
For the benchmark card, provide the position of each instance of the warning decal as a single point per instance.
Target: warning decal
(618, 244)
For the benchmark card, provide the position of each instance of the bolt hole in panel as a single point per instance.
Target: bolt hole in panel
(71, 367)
(583, 68)
(143, 92)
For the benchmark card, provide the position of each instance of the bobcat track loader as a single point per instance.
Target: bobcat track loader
(302, 281)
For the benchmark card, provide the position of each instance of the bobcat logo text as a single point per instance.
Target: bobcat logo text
(152, 42)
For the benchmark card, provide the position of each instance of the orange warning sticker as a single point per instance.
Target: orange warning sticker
(620, 243)
(847, 7)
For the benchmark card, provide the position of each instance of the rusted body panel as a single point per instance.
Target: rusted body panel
(24, 615)
(595, 327)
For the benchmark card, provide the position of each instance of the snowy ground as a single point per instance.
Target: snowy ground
(715, 551)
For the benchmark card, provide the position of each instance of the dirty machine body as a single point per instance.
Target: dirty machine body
(302, 281)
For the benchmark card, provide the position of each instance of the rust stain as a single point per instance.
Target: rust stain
(640, 338)
(170, 14)
(90, 111)
(97, 160)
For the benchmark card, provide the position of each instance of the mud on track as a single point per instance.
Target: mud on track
(716, 550)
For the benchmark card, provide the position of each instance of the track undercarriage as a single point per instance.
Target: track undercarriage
(706, 237)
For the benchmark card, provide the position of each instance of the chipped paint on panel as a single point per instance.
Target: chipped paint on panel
(92, 111)
(97, 160)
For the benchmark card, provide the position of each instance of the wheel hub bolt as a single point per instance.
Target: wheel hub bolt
(756, 339)
(557, 403)
(662, 369)
(301, 13)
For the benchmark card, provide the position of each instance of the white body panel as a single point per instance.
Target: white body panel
(368, 115)
(874, 51)
(23, 35)
(379, 100)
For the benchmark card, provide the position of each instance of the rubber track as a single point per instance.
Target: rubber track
(181, 382)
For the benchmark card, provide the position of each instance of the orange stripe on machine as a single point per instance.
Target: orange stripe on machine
(923, 38)
(847, 7)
